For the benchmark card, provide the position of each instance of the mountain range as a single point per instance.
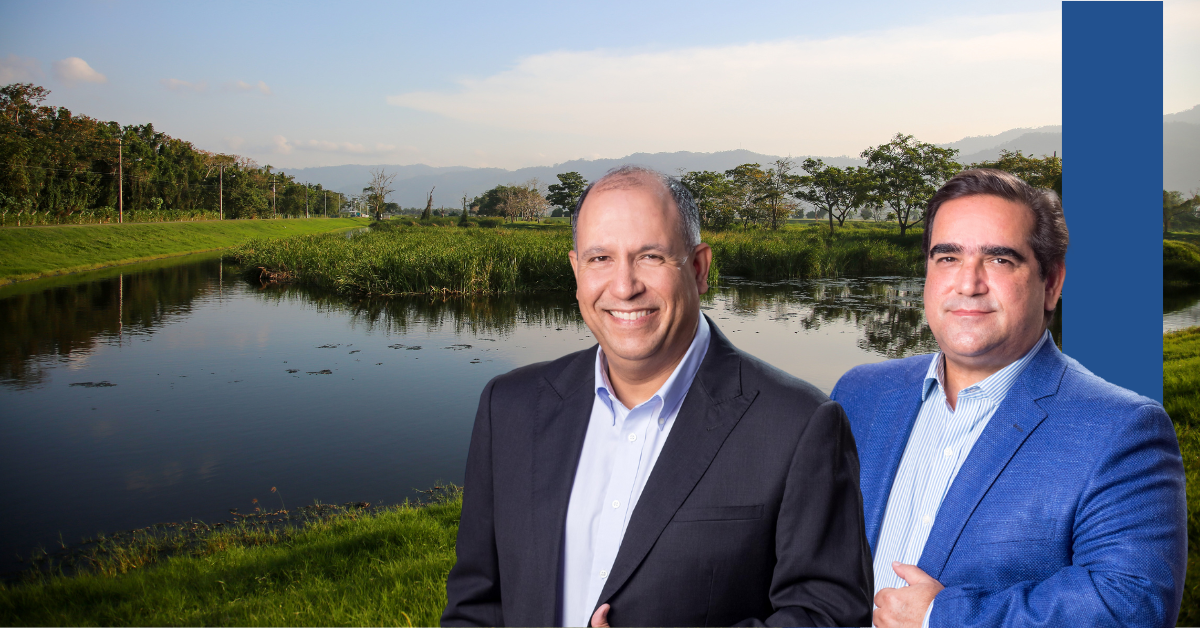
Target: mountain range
(1181, 164)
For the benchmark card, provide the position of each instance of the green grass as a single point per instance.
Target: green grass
(1181, 261)
(31, 252)
(386, 567)
(434, 258)
(1181, 392)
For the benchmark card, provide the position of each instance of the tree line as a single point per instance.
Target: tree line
(893, 186)
(58, 167)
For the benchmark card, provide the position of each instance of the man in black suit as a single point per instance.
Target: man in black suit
(664, 478)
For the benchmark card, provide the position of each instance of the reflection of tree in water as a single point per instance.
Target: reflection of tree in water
(887, 311)
(1176, 299)
(496, 314)
(40, 327)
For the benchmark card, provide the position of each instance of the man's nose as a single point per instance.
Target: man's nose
(625, 284)
(971, 278)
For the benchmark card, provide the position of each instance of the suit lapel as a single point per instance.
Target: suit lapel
(563, 409)
(893, 421)
(714, 404)
(1016, 418)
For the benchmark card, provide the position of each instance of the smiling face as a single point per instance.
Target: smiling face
(985, 300)
(638, 283)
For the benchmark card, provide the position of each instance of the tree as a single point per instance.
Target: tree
(830, 189)
(906, 174)
(523, 201)
(466, 212)
(1045, 172)
(1176, 206)
(776, 188)
(428, 213)
(378, 191)
(565, 194)
(715, 195)
(748, 181)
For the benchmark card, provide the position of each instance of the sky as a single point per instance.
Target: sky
(537, 83)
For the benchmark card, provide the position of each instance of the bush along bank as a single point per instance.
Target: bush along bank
(398, 259)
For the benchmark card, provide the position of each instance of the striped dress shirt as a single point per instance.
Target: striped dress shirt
(940, 442)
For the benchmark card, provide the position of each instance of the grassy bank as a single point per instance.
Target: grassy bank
(386, 567)
(1181, 262)
(1181, 393)
(31, 252)
(402, 259)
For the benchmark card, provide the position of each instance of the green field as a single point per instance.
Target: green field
(1181, 393)
(31, 252)
(440, 258)
(381, 568)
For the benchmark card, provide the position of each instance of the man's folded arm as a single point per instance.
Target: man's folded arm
(823, 573)
(1129, 546)
(473, 586)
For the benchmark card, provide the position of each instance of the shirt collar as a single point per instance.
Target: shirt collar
(672, 392)
(994, 386)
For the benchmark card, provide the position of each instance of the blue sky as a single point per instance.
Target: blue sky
(497, 84)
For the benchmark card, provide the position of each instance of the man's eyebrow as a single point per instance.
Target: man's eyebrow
(941, 249)
(992, 250)
(603, 250)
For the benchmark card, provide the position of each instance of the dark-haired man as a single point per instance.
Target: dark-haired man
(1003, 483)
(663, 478)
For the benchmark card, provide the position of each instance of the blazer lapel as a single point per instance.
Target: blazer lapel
(563, 409)
(1016, 418)
(714, 404)
(893, 422)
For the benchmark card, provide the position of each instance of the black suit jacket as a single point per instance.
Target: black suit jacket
(751, 515)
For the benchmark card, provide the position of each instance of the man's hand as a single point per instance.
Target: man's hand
(903, 607)
(600, 617)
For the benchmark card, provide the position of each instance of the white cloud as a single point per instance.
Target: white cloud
(177, 85)
(346, 147)
(940, 81)
(1181, 55)
(281, 145)
(75, 70)
(243, 86)
(14, 69)
(234, 142)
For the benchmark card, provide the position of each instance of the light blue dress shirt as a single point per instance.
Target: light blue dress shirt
(619, 451)
(939, 444)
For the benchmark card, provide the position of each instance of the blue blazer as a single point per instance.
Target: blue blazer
(1069, 511)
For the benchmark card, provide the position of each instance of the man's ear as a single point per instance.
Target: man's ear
(701, 261)
(1054, 285)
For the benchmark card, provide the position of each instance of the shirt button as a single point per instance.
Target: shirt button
(616, 503)
(603, 573)
(661, 421)
(949, 452)
(632, 437)
(926, 520)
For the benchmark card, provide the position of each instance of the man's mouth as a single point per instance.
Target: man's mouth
(629, 316)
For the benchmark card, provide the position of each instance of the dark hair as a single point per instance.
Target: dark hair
(632, 176)
(1049, 237)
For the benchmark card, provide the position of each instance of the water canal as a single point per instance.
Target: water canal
(178, 390)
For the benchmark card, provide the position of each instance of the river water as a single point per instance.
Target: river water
(179, 390)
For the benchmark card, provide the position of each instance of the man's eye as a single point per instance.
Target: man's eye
(600, 258)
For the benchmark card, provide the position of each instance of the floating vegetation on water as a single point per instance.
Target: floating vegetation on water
(321, 372)
(293, 370)
(329, 346)
(100, 384)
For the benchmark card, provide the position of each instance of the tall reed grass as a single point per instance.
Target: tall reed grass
(397, 259)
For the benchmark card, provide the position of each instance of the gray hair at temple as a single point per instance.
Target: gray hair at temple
(625, 177)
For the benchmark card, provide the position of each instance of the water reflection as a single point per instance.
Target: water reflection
(39, 327)
(1181, 308)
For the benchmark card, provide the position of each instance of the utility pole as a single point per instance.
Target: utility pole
(221, 192)
(306, 200)
(325, 210)
(120, 182)
(274, 209)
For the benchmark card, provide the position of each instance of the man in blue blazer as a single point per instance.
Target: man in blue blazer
(663, 478)
(1003, 483)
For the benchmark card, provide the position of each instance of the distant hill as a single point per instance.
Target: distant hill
(414, 182)
(1030, 141)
